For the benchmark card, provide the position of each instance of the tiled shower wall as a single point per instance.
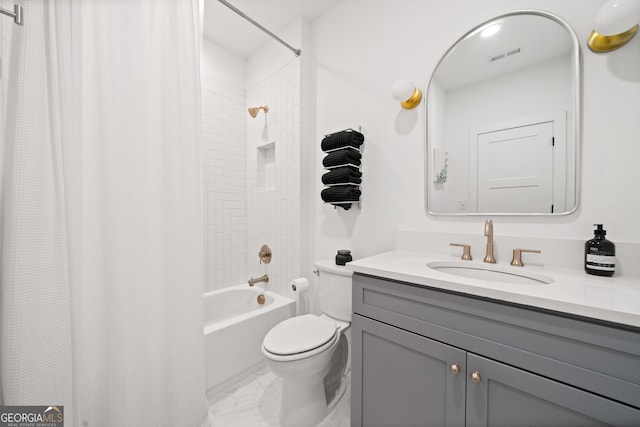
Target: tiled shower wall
(224, 171)
(251, 172)
(273, 176)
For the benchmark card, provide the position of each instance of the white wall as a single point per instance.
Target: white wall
(224, 165)
(363, 46)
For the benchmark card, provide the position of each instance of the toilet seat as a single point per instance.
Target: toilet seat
(300, 337)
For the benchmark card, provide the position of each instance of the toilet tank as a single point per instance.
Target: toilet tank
(334, 289)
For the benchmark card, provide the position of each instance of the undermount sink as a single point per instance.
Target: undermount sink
(490, 272)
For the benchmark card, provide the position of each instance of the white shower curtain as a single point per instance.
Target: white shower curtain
(38, 350)
(102, 254)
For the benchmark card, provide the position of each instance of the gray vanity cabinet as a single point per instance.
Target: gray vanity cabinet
(507, 396)
(405, 378)
(423, 357)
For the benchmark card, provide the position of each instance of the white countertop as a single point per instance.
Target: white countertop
(612, 299)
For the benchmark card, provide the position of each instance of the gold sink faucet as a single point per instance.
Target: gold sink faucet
(253, 281)
(488, 231)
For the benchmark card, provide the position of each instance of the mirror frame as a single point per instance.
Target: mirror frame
(576, 62)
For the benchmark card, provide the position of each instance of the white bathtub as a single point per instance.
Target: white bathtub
(234, 327)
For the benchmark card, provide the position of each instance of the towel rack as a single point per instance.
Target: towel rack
(348, 203)
(16, 14)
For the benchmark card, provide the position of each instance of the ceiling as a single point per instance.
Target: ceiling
(231, 31)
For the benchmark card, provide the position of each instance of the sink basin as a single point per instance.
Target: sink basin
(490, 272)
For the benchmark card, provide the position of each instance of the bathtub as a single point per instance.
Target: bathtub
(234, 327)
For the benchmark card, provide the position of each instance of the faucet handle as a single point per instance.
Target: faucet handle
(517, 256)
(466, 250)
(265, 254)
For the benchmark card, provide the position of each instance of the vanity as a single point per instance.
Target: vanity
(431, 347)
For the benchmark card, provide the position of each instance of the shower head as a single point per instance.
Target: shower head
(253, 111)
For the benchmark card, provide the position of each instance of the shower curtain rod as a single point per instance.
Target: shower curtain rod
(16, 14)
(296, 52)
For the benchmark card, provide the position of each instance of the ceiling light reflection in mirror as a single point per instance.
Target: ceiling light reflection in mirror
(490, 31)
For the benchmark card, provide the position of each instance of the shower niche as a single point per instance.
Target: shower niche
(266, 163)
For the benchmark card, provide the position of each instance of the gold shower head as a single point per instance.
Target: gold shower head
(253, 111)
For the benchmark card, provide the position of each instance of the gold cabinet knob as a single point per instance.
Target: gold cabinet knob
(475, 377)
(455, 369)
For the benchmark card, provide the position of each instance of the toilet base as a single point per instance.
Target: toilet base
(303, 404)
(337, 367)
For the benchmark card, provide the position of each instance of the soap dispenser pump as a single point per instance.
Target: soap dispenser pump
(599, 254)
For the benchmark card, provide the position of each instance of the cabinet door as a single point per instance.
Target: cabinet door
(501, 395)
(403, 379)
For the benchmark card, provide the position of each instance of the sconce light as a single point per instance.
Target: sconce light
(407, 94)
(615, 25)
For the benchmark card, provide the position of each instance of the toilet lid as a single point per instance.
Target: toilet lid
(299, 334)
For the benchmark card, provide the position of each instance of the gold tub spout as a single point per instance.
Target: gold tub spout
(253, 281)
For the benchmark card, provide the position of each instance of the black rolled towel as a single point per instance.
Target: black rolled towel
(343, 175)
(342, 193)
(345, 206)
(342, 157)
(345, 138)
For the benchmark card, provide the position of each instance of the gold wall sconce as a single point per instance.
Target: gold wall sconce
(407, 94)
(253, 111)
(615, 25)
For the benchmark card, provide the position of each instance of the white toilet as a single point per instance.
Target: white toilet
(310, 353)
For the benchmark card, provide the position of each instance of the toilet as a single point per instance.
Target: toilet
(310, 353)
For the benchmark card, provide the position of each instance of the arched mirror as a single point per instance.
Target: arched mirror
(503, 119)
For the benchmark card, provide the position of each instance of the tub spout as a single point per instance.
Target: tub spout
(253, 281)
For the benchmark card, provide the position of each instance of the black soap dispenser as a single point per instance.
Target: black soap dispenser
(599, 254)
